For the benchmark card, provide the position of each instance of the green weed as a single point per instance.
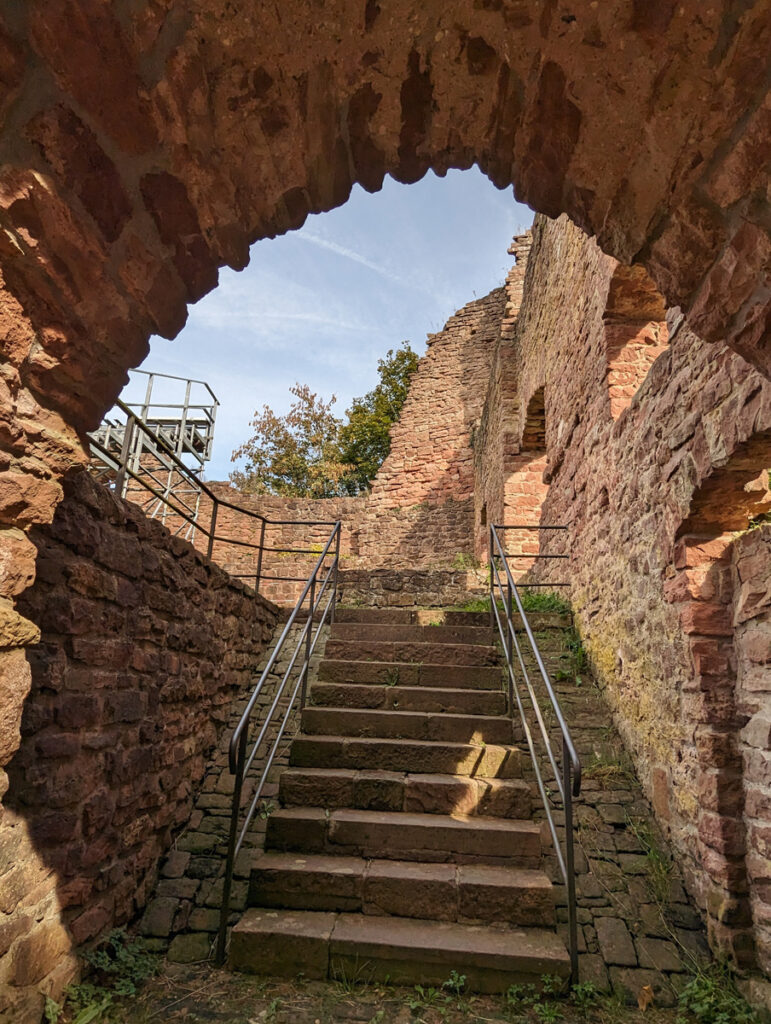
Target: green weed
(392, 677)
(658, 863)
(712, 998)
(463, 560)
(542, 600)
(118, 968)
(455, 983)
(584, 995)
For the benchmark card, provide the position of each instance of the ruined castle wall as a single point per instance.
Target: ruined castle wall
(143, 646)
(421, 507)
(624, 488)
(751, 607)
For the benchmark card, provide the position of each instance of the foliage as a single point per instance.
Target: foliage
(365, 439)
(584, 995)
(296, 455)
(455, 983)
(538, 600)
(119, 966)
(712, 998)
(310, 453)
(658, 863)
(464, 561)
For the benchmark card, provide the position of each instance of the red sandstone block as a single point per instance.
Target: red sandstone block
(691, 551)
(707, 619)
(723, 834)
(710, 657)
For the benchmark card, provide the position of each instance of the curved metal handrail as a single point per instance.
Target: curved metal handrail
(241, 754)
(567, 775)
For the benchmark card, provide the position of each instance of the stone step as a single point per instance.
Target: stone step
(396, 791)
(408, 698)
(444, 616)
(396, 633)
(406, 951)
(414, 652)
(398, 835)
(395, 616)
(390, 673)
(416, 725)
(401, 755)
(440, 892)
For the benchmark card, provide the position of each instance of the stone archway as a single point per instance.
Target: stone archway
(145, 146)
(719, 585)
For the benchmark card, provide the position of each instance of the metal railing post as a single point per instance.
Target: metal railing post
(308, 637)
(334, 581)
(567, 784)
(125, 452)
(258, 577)
(227, 882)
(492, 579)
(212, 527)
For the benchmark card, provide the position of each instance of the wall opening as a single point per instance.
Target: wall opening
(635, 333)
(721, 584)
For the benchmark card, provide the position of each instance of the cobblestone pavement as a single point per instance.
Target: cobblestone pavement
(637, 927)
(182, 918)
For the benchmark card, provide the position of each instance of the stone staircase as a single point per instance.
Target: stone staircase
(404, 847)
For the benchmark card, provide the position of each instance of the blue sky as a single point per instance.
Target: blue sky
(321, 305)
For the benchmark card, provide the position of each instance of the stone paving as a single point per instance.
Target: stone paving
(637, 927)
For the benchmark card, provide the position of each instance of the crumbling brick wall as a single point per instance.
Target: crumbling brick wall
(144, 643)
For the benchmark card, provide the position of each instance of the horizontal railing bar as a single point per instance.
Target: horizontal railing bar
(301, 522)
(527, 526)
(517, 554)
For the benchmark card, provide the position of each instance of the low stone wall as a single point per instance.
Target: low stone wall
(418, 588)
(144, 643)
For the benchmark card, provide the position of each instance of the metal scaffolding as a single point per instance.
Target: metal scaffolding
(141, 449)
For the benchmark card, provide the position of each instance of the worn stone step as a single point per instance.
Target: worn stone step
(403, 633)
(440, 892)
(390, 673)
(397, 724)
(403, 755)
(395, 616)
(411, 651)
(398, 835)
(397, 791)
(402, 950)
(408, 698)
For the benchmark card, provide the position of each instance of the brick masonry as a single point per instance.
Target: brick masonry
(144, 645)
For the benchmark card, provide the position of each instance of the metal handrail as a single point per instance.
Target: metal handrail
(189, 514)
(567, 775)
(240, 755)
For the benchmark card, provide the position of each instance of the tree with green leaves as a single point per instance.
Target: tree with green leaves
(310, 453)
(365, 439)
(295, 455)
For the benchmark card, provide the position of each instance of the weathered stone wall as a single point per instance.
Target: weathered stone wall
(143, 645)
(410, 588)
(431, 458)
(625, 487)
(751, 565)
(495, 440)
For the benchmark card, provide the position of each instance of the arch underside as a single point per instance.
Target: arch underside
(145, 147)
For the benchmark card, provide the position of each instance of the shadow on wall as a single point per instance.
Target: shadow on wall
(144, 644)
(721, 585)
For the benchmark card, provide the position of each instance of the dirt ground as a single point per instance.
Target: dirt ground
(201, 994)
